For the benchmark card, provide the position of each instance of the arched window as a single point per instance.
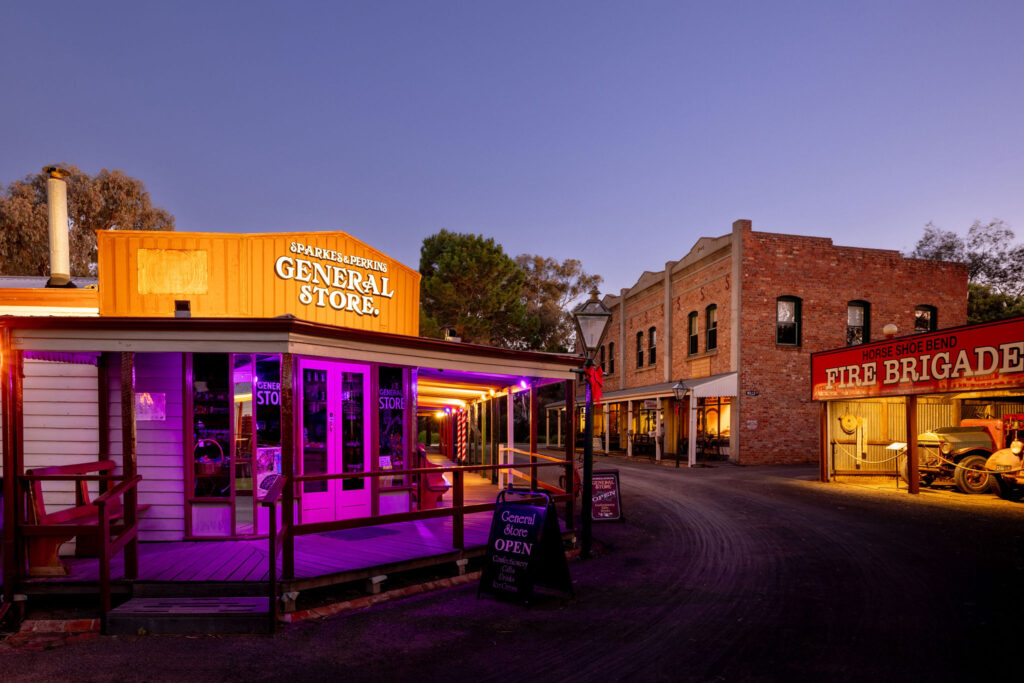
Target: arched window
(711, 327)
(639, 349)
(691, 333)
(858, 323)
(926, 319)
(787, 321)
(652, 343)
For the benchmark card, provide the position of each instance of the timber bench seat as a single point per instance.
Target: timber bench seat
(81, 521)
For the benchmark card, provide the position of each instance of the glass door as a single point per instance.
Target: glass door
(335, 437)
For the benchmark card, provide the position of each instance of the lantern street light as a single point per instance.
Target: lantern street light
(591, 319)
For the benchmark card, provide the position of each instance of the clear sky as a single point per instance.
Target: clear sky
(613, 132)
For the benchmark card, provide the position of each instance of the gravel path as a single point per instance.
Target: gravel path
(722, 573)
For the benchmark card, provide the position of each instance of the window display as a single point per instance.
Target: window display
(211, 451)
(391, 405)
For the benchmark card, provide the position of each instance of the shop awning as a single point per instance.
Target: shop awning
(715, 385)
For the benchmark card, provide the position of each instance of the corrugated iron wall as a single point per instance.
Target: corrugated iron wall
(884, 423)
(144, 273)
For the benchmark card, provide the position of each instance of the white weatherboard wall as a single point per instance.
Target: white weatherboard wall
(158, 444)
(61, 424)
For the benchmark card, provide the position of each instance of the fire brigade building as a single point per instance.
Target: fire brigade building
(941, 409)
(709, 358)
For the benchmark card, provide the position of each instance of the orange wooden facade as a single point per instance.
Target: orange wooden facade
(323, 277)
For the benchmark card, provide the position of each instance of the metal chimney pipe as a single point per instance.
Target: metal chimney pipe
(57, 204)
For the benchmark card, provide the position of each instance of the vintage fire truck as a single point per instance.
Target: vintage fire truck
(1006, 463)
(960, 454)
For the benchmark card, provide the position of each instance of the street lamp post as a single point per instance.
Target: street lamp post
(591, 319)
(679, 389)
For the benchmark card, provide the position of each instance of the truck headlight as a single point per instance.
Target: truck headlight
(1016, 447)
(946, 447)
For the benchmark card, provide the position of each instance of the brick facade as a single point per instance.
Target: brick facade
(743, 274)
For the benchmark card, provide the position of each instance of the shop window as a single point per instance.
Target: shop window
(391, 407)
(691, 327)
(858, 323)
(652, 343)
(711, 319)
(787, 321)
(602, 360)
(925, 319)
(639, 349)
(611, 358)
(267, 395)
(211, 426)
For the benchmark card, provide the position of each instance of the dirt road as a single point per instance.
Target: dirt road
(724, 573)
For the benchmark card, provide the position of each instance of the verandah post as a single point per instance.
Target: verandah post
(458, 521)
(129, 468)
(913, 458)
(10, 370)
(288, 464)
(570, 452)
(533, 436)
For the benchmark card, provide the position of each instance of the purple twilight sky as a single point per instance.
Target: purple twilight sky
(613, 132)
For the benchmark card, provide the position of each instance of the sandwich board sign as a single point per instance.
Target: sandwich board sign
(606, 503)
(524, 548)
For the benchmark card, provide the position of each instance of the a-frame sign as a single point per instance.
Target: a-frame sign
(524, 548)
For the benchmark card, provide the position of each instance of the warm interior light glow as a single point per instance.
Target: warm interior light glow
(439, 414)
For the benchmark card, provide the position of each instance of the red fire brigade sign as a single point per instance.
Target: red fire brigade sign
(972, 358)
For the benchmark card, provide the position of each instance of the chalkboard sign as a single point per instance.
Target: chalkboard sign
(606, 501)
(524, 548)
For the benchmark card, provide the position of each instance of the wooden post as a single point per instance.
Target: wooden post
(823, 445)
(570, 452)
(458, 521)
(129, 467)
(510, 435)
(494, 438)
(533, 436)
(104, 533)
(913, 474)
(10, 371)
(288, 464)
(629, 428)
(103, 410)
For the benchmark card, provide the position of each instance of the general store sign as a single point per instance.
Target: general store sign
(345, 282)
(972, 358)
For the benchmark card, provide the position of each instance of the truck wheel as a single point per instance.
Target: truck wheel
(1007, 490)
(971, 475)
(903, 464)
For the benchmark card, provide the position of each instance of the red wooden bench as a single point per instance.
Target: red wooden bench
(432, 486)
(42, 549)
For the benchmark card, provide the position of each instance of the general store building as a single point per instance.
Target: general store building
(735, 321)
(222, 392)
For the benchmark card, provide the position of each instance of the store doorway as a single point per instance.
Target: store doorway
(335, 439)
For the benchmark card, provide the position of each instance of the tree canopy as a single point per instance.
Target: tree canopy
(109, 200)
(549, 289)
(471, 286)
(995, 287)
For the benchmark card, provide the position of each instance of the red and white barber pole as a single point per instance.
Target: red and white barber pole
(463, 420)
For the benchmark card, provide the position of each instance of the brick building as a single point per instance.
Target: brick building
(735, 321)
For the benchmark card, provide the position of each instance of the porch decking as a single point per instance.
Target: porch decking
(241, 566)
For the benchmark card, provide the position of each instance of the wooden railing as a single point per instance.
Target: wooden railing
(458, 510)
(109, 510)
(277, 537)
(110, 545)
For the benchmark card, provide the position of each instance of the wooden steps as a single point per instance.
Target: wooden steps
(183, 615)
